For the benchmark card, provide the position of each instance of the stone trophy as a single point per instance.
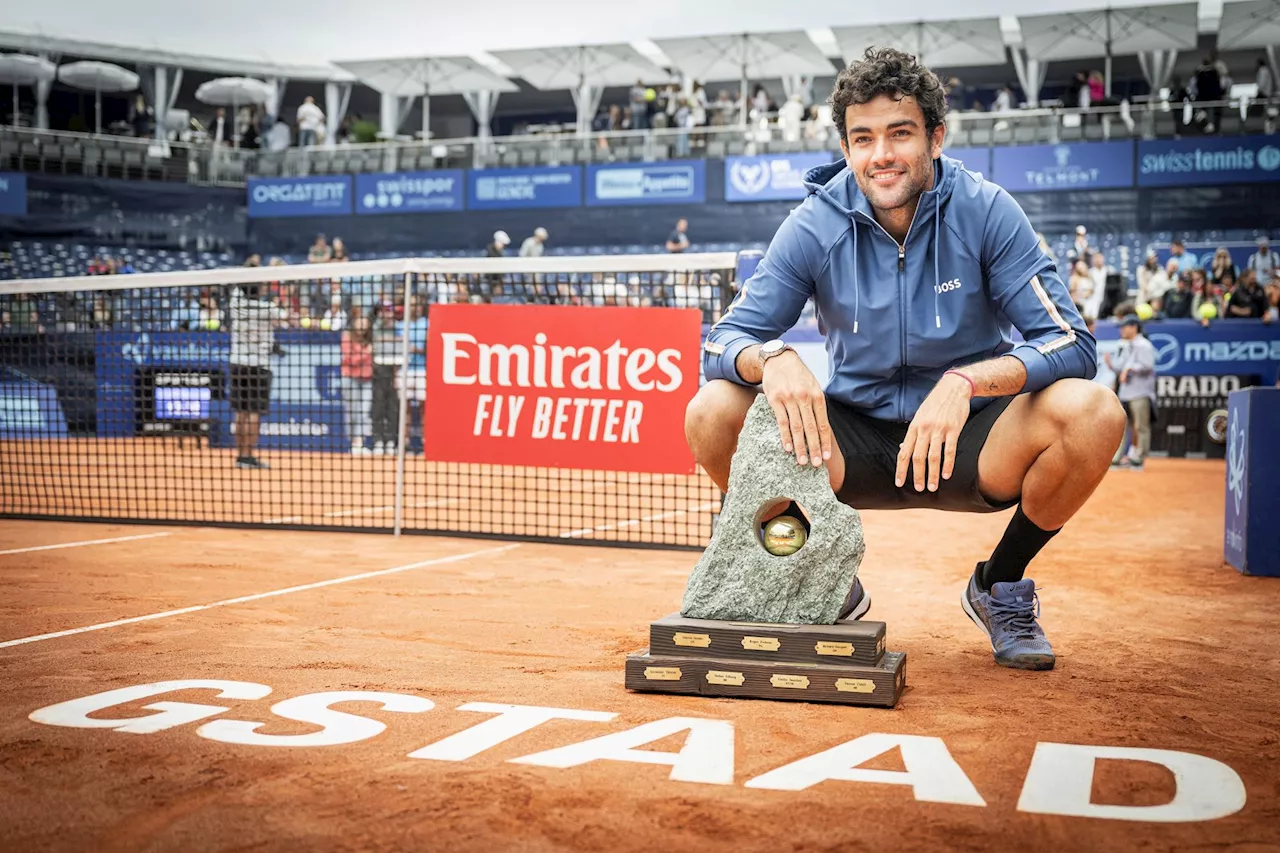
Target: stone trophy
(761, 615)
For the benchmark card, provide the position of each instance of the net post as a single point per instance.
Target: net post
(403, 425)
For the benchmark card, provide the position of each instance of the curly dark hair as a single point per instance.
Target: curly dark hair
(886, 71)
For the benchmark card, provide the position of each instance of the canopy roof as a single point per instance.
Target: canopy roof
(565, 67)
(417, 76)
(945, 44)
(1252, 24)
(1083, 35)
(757, 55)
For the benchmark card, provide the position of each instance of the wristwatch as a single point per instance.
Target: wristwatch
(772, 348)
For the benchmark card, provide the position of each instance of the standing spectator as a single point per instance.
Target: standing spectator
(1176, 303)
(1004, 99)
(310, 121)
(639, 109)
(320, 252)
(1098, 272)
(1178, 252)
(498, 245)
(1080, 250)
(1153, 280)
(252, 342)
(250, 135)
(1135, 367)
(1081, 287)
(1264, 79)
(1208, 87)
(416, 380)
(220, 130)
(385, 405)
(1222, 265)
(357, 382)
(790, 117)
(533, 247)
(1263, 262)
(1247, 301)
(760, 102)
(141, 117)
(678, 240)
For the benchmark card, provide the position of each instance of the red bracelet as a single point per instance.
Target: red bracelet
(973, 389)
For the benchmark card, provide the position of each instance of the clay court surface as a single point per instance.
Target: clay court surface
(1160, 646)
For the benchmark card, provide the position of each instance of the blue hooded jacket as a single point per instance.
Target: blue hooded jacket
(897, 317)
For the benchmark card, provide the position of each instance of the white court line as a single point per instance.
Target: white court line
(295, 519)
(256, 597)
(81, 544)
(569, 534)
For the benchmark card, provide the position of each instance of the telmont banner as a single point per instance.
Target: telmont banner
(1079, 166)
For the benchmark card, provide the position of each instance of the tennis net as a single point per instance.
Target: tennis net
(297, 396)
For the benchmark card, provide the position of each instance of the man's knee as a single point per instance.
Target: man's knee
(1082, 406)
(716, 413)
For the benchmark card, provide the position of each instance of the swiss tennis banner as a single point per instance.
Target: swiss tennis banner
(561, 386)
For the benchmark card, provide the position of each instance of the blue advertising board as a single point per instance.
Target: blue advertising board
(29, 409)
(329, 195)
(1185, 348)
(410, 192)
(974, 159)
(1201, 254)
(1207, 161)
(13, 194)
(770, 177)
(306, 401)
(1067, 166)
(1251, 537)
(670, 182)
(504, 189)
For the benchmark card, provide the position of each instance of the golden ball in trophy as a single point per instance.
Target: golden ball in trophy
(784, 535)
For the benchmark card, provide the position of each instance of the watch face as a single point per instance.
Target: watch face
(772, 347)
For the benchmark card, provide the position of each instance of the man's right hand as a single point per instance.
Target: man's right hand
(800, 406)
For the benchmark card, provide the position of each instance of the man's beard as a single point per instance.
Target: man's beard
(908, 191)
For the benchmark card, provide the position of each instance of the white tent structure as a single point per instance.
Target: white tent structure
(791, 55)
(98, 77)
(939, 44)
(1154, 33)
(1254, 24)
(402, 79)
(20, 69)
(584, 70)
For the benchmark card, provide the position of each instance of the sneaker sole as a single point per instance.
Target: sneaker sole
(860, 609)
(1033, 662)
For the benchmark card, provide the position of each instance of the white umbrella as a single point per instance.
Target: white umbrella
(20, 69)
(232, 92)
(100, 77)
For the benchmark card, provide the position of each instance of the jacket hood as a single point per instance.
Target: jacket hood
(834, 184)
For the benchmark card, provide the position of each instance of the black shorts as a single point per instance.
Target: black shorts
(870, 449)
(250, 389)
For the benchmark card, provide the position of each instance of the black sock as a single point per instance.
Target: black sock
(1021, 542)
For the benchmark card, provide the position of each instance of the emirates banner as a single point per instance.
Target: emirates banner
(561, 386)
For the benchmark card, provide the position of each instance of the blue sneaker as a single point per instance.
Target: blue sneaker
(857, 604)
(1008, 615)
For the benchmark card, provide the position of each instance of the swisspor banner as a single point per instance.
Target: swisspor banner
(561, 386)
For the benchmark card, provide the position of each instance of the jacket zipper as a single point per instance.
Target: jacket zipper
(902, 300)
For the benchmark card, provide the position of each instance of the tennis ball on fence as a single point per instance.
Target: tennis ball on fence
(1144, 311)
(325, 324)
(213, 324)
(305, 322)
(1208, 311)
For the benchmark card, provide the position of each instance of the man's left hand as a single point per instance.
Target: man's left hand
(1124, 376)
(930, 445)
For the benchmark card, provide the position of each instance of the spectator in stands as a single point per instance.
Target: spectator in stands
(357, 382)
(678, 240)
(1247, 301)
(1222, 265)
(1135, 366)
(1098, 272)
(220, 130)
(498, 245)
(320, 252)
(533, 247)
(723, 111)
(1081, 286)
(1004, 99)
(417, 374)
(385, 412)
(790, 117)
(1207, 302)
(1098, 97)
(141, 117)
(639, 111)
(335, 316)
(1273, 306)
(1176, 303)
(1207, 83)
(310, 122)
(1080, 248)
(250, 135)
(97, 266)
(1178, 252)
(1153, 280)
(1263, 262)
(338, 251)
(760, 104)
